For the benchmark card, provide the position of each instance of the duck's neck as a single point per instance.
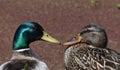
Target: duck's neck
(24, 54)
(20, 42)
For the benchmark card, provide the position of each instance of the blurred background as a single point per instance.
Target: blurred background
(60, 18)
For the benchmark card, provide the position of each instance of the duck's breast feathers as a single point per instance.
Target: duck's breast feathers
(41, 66)
(20, 65)
(23, 65)
(94, 58)
(3, 65)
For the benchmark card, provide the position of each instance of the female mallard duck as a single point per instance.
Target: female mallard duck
(23, 57)
(88, 51)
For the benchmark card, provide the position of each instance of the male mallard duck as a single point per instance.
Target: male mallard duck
(23, 57)
(88, 51)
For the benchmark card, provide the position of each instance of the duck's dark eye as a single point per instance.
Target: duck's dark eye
(34, 28)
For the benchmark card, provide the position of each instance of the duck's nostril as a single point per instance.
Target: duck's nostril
(47, 35)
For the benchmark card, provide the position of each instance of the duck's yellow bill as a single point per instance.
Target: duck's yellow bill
(48, 38)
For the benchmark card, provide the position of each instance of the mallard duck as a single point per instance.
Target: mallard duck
(88, 51)
(23, 58)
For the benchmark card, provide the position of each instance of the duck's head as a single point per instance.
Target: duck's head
(29, 32)
(91, 34)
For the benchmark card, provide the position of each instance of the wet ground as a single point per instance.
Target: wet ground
(60, 18)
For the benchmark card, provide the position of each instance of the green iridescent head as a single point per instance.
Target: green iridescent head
(29, 32)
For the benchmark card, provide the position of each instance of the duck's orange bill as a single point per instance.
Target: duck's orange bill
(73, 41)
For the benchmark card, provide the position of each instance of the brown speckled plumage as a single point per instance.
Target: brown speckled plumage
(77, 58)
(91, 53)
